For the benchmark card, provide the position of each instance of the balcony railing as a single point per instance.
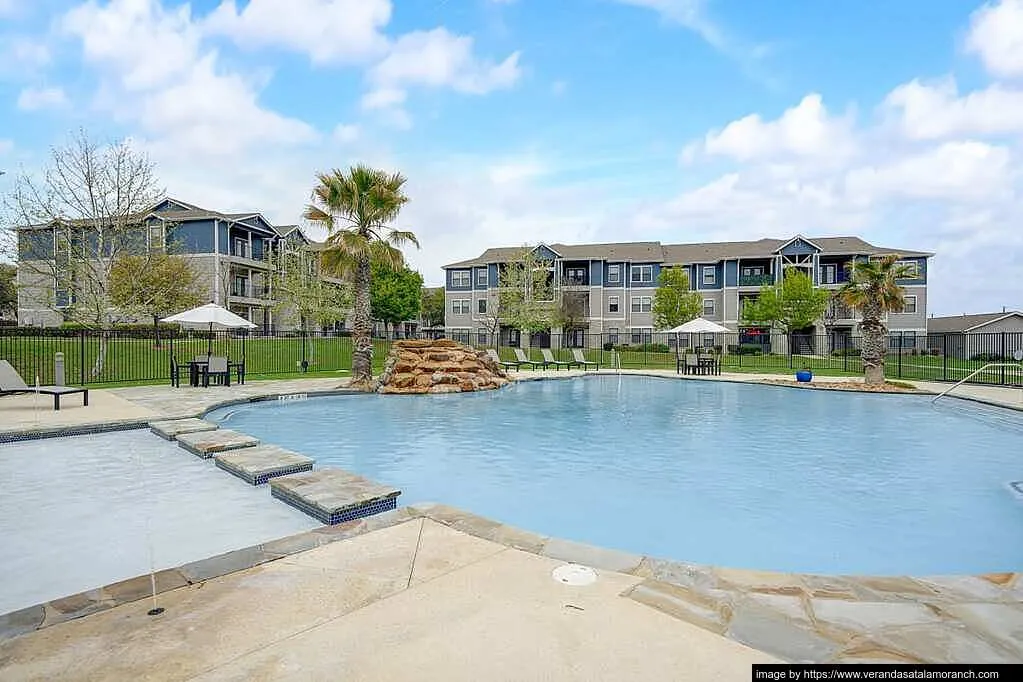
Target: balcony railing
(250, 291)
(840, 312)
(568, 280)
(755, 280)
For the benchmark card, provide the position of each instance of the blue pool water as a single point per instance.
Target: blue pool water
(720, 473)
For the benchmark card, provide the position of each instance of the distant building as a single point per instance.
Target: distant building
(616, 282)
(982, 336)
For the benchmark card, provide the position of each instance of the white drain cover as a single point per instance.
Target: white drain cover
(574, 574)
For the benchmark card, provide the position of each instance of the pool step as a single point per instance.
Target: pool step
(206, 444)
(334, 496)
(258, 464)
(170, 429)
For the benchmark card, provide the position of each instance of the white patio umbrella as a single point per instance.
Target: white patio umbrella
(211, 314)
(697, 326)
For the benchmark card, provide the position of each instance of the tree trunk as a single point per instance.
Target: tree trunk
(875, 345)
(156, 329)
(362, 327)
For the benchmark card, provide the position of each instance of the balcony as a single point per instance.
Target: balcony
(575, 277)
(837, 311)
(246, 290)
(756, 280)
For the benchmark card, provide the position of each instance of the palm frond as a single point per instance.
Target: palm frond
(401, 238)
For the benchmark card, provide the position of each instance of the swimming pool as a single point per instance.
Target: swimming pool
(81, 512)
(720, 473)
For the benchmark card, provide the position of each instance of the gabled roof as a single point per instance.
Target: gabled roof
(798, 238)
(647, 252)
(967, 323)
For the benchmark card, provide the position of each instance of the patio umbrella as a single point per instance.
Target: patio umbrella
(211, 314)
(698, 326)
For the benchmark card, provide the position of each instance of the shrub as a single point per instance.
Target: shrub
(608, 346)
(934, 351)
(988, 357)
(851, 351)
(749, 349)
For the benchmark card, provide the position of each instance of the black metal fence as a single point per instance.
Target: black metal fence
(141, 356)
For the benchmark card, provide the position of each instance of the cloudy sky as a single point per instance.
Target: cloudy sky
(520, 121)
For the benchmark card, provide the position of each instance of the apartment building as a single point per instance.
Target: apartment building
(615, 284)
(230, 252)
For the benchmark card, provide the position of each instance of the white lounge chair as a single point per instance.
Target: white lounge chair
(11, 382)
(548, 358)
(581, 360)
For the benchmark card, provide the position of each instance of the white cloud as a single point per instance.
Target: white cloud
(688, 13)
(925, 111)
(32, 99)
(346, 133)
(805, 130)
(558, 88)
(326, 30)
(383, 98)
(23, 54)
(155, 74)
(996, 36)
(439, 58)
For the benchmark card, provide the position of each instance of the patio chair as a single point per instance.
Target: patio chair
(218, 368)
(492, 354)
(11, 382)
(549, 359)
(692, 364)
(581, 360)
(520, 355)
(176, 370)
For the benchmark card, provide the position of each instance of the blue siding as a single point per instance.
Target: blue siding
(544, 253)
(476, 278)
(225, 242)
(596, 273)
(718, 276)
(731, 273)
(492, 268)
(798, 247)
(447, 280)
(621, 274)
(191, 237)
(167, 205)
(257, 248)
(921, 263)
(35, 244)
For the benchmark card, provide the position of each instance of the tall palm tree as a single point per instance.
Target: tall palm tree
(356, 207)
(873, 289)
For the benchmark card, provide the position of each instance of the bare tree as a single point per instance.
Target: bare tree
(83, 210)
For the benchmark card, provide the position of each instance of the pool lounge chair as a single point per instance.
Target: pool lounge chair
(520, 355)
(581, 360)
(548, 358)
(11, 382)
(492, 354)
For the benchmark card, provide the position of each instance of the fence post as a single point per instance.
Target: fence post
(81, 356)
(789, 344)
(1002, 356)
(944, 357)
(902, 343)
(845, 353)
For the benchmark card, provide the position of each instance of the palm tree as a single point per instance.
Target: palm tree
(873, 290)
(356, 207)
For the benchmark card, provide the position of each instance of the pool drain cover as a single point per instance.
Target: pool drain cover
(574, 574)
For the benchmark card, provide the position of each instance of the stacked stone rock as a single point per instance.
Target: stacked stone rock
(439, 366)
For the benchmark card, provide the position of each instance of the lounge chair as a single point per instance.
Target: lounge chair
(11, 382)
(581, 360)
(548, 358)
(492, 354)
(520, 355)
(219, 369)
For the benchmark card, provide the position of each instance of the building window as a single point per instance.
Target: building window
(460, 278)
(157, 241)
(641, 334)
(753, 271)
(901, 340)
(482, 277)
(642, 274)
(909, 305)
(482, 337)
(460, 335)
(829, 273)
(708, 340)
(709, 275)
(460, 306)
(575, 276)
(481, 306)
(640, 304)
(612, 304)
(612, 335)
(912, 266)
(614, 274)
(708, 307)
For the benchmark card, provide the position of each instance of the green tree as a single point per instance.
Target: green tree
(873, 289)
(674, 302)
(793, 304)
(572, 311)
(8, 291)
(395, 294)
(153, 285)
(526, 293)
(433, 307)
(356, 207)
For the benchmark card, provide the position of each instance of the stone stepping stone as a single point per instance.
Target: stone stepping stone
(172, 428)
(257, 465)
(334, 496)
(206, 444)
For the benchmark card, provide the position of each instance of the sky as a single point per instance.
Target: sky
(520, 121)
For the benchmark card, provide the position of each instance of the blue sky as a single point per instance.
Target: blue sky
(518, 121)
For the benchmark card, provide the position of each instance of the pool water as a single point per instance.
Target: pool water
(81, 512)
(730, 474)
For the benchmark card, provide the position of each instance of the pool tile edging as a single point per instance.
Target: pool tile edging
(796, 617)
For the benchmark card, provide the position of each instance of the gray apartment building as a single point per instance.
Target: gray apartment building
(230, 251)
(616, 282)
